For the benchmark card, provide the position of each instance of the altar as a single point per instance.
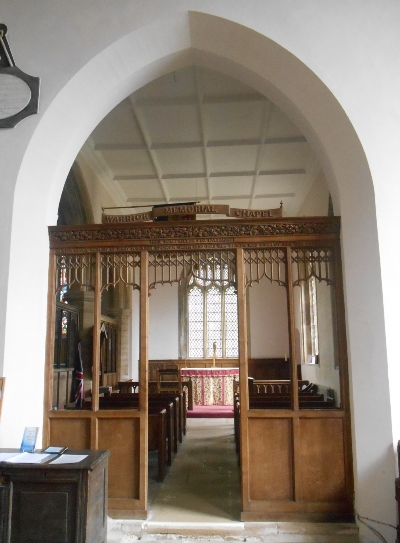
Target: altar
(211, 386)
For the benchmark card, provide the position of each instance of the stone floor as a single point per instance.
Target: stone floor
(200, 499)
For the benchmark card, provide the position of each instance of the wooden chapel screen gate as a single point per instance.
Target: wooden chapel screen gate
(295, 439)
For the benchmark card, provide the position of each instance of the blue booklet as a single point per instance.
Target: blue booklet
(29, 439)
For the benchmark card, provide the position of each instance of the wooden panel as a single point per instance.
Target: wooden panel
(43, 515)
(97, 502)
(270, 465)
(62, 384)
(269, 368)
(322, 460)
(73, 433)
(121, 437)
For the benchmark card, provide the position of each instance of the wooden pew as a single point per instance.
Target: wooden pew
(273, 386)
(157, 438)
(129, 387)
(179, 410)
(131, 401)
(236, 421)
(283, 401)
(182, 409)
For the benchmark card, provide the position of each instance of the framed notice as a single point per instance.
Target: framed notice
(2, 382)
(29, 439)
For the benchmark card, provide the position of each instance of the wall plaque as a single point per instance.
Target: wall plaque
(19, 92)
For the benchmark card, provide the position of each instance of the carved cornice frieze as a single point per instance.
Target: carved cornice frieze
(192, 247)
(195, 234)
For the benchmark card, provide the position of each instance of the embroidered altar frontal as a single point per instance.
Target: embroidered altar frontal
(212, 386)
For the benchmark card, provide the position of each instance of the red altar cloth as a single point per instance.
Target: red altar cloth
(212, 386)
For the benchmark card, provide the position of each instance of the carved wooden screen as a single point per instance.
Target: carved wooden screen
(295, 463)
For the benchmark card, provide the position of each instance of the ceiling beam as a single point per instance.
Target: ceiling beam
(200, 114)
(266, 116)
(203, 175)
(277, 195)
(142, 126)
(197, 144)
(165, 101)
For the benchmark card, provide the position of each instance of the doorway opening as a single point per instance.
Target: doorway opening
(203, 482)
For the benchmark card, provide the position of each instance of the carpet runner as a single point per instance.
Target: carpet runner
(211, 412)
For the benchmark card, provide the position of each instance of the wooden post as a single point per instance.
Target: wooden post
(96, 338)
(294, 380)
(341, 339)
(243, 375)
(48, 385)
(143, 376)
(292, 331)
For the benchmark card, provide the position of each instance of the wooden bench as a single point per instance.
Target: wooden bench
(284, 401)
(179, 400)
(131, 401)
(129, 387)
(280, 401)
(157, 438)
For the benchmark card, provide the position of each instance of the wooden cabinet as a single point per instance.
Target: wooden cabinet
(45, 503)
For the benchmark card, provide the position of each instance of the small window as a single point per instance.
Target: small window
(310, 321)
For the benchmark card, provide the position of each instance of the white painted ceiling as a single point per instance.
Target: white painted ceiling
(200, 136)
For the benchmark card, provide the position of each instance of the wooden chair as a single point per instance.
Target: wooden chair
(170, 381)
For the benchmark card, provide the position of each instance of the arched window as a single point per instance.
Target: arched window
(212, 313)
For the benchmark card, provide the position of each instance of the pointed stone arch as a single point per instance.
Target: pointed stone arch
(127, 64)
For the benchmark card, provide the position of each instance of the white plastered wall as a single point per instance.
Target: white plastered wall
(163, 322)
(90, 56)
(268, 320)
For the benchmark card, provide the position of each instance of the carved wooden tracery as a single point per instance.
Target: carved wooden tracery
(175, 267)
(268, 263)
(75, 270)
(120, 268)
(287, 252)
(314, 262)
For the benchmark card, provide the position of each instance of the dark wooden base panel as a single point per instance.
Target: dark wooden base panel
(45, 503)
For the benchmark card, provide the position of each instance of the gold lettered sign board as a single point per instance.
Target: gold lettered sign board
(189, 211)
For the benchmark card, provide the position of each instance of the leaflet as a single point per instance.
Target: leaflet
(25, 458)
(69, 458)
